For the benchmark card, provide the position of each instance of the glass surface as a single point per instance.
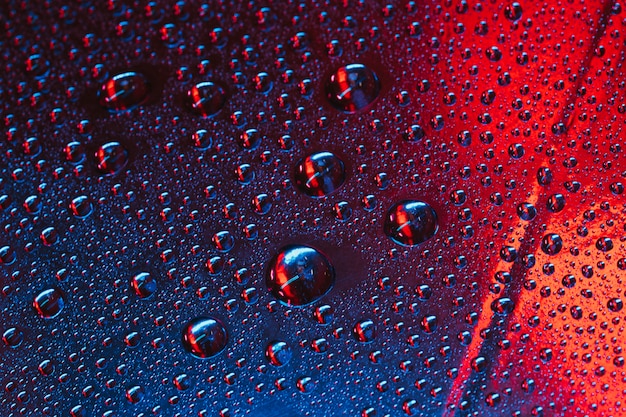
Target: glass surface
(339, 208)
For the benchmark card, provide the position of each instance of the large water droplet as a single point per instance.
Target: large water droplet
(12, 337)
(319, 174)
(144, 285)
(352, 87)
(364, 331)
(206, 98)
(410, 222)
(278, 353)
(299, 275)
(204, 337)
(49, 303)
(551, 244)
(111, 158)
(81, 206)
(124, 91)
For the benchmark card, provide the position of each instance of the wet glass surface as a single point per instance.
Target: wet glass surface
(312, 208)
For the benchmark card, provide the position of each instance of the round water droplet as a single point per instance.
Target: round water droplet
(135, 394)
(124, 91)
(206, 98)
(319, 174)
(278, 353)
(49, 303)
(615, 304)
(111, 158)
(299, 275)
(551, 244)
(526, 211)
(364, 331)
(7, 255)
(201, 139)
(352, 87)
(410, 222)
(12, 337)
(81, 206)
(429, 324)
(513, 11)
(503, 306)
(204, 337)
(144, 285)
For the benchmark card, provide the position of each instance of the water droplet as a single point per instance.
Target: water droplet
(364, 331)
(144, 285)
(201, 139)
(111, 158)
(278, 353)
(502, 306)
(49, 303)
(319, 174)
(604, 244)
(429, 324)
(124, 91)
(410, 222)
(7, 255)
(81, 206)
(526, 211)
(13, 337)
(352, 87)
(204, 337)
(615, 304)
(135, 394)
(513, 11)
(299, 275)
(206, 98)
(551, 244)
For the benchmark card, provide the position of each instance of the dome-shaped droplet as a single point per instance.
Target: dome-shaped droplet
(206, 98)
(7, 255)
(49, 303)
(502, 306)
(299, 275)
(278, 353)
(551, 244)
(81, 206)
(144, 285)
(204, 337)
(124, 91)
(319, 174)
(513, 11)
(352, 87)
(410, 222)
(111, 158)
(12, 337)
(364, 331)
(615, 304)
